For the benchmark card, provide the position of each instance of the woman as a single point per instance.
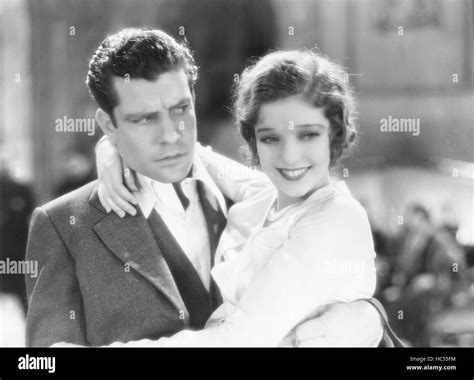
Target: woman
(299, 241)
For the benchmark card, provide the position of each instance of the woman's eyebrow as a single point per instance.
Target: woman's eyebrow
(310, 125)
(264, 129)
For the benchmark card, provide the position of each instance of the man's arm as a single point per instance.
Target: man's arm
(55, 311)
(353, 324)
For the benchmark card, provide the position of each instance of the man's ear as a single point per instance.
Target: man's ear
(105, 123)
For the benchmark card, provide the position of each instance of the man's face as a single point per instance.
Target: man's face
(156, 126)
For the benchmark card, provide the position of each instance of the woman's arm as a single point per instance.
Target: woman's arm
(116, 180)
(323, 261)
(112, 172)
(235, 180)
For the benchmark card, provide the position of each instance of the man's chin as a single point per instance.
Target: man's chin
(170, 175)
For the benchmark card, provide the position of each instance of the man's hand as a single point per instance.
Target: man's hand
(353, 324)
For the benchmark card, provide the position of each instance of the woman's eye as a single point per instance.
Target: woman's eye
(310, 135)
(268, 140)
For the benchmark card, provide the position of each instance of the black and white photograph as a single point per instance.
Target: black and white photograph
(236, 173)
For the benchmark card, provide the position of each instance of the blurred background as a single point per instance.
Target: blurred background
(408, 59)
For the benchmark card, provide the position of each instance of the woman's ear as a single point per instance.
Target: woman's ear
(105, 123)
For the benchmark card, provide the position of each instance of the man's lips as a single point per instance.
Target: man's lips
(171, 158)
(293, 174)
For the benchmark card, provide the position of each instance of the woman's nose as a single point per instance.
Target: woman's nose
(290, 153)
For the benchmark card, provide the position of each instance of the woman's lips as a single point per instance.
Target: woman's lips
(293, 174)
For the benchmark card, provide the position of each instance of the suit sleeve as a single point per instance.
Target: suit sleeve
(55, 312)
(236, 181)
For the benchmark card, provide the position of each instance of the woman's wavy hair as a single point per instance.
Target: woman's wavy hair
(281, 74)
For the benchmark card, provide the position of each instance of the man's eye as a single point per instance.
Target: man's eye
(269, 140)
(181, 110)
(310, 135)
(143, 120)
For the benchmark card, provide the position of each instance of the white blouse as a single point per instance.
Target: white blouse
(274, 271)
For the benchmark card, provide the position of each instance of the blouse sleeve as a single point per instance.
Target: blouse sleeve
(236, 181)
(328, 257)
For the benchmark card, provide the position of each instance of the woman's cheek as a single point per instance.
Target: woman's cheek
(266, 157)
(322, 150)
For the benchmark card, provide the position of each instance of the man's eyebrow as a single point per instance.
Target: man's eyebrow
(140, 115)
(266, 129)
(181, 102)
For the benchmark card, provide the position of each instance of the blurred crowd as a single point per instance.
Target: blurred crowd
(425, 279)
(17, 202)
(16, 205)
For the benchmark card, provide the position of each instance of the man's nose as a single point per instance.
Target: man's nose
(168, 129)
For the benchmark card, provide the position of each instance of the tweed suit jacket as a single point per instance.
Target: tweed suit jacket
(102, 278)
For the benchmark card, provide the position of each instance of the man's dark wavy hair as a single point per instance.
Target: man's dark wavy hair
(135, 53)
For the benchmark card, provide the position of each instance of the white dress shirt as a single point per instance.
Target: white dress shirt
(189, 226)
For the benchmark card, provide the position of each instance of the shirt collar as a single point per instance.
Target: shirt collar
(147, 197)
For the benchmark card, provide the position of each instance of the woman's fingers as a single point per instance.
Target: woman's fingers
(124, 193)
(118, 210)
(129, 176)
(115, 189)
(121, 197)
(102, 198)
(113, 194)
(110, 197)
(116, 196)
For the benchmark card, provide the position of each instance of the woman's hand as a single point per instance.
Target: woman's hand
(341, 324)
(66, 345)
(112, 172)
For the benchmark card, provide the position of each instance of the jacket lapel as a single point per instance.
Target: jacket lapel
(132, 241)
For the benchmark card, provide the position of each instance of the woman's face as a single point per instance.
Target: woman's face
(293, 147)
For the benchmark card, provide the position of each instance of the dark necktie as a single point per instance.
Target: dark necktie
(179, 191)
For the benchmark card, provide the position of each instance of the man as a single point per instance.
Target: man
(105, 278)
